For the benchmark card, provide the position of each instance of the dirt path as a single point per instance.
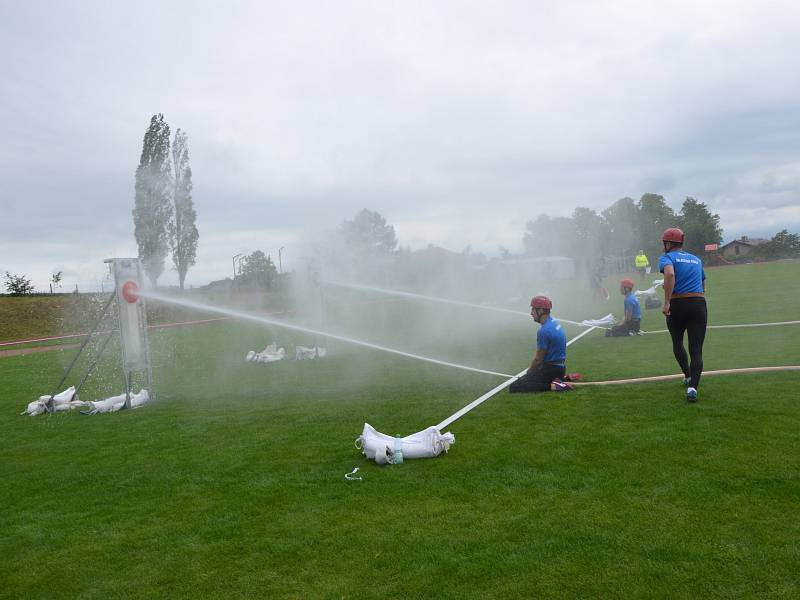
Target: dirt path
(34, 350)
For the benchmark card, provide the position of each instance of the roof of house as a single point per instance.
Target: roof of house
(747, 242)
(435, 252)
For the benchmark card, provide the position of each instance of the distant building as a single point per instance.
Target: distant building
(741, 247)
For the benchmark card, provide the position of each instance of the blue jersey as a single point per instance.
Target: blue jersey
(553, 341)
(689, 273)
(631, 305)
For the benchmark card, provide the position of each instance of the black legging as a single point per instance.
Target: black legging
(624, 328)
(689, 315)
(539, 380)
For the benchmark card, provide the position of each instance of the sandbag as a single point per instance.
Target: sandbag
(385, 449)
(116, 403)
(651, 291)
(606, 321)
(269, 354)
(62, 401)
(305, 353)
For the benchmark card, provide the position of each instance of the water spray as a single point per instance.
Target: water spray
(316, 332)
(414, 296)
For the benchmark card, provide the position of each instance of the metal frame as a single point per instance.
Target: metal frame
(92, 331)
(141, 308)
(141, 325)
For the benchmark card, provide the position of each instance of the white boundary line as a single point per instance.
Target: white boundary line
(478, 401)
(735, 326)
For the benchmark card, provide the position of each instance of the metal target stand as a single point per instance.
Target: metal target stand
(132, 313)
(131, 327)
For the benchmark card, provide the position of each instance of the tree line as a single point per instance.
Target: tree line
(782, 245)
(622, 229)
(163, 215)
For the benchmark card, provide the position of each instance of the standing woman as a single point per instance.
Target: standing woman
(684, 306)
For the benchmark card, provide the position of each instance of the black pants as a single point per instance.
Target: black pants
(539, 380)
(624, 328)
(688, 315)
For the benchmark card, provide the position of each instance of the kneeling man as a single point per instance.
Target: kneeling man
(549, 363)
(633, 312)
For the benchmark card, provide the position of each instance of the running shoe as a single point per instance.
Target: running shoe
(573, 377)
(560, 386)
(686, 382)
(691, 395)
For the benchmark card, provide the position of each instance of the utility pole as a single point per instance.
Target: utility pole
(280, 264)
(234, 265)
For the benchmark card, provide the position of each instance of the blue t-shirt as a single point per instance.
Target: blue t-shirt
(631, 305)
(553, 341)
(689, 273)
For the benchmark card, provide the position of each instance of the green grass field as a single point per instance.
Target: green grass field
(232, 484)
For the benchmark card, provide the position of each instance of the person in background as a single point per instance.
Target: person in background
(633, 312)
(641, 263)
(548, 366)
(596, 283)
(684, 306)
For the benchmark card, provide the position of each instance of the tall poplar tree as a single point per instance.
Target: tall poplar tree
(152, 206)
(183, 233)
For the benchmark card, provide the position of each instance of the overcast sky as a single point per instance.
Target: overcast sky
(458, 121)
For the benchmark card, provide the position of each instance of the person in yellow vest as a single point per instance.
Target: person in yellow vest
(642, 263)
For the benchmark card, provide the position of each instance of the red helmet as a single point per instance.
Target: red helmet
(541, 302)
(673, 234)
(628, 283)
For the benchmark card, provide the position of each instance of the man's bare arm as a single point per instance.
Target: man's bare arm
(669, 285)
(537, 361)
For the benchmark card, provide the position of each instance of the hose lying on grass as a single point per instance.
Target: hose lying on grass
(680, 375)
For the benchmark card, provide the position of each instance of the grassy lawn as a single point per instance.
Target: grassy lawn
(232, 484)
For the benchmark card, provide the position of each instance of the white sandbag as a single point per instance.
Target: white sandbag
(140, 399)
(385, 449)
(108, 405)
(116, 403)
(34, 408)
(69, 406)
(305, 353)
(64, 397)
(269, 354)
(606, 321)
(651, 291)
(59, 403)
